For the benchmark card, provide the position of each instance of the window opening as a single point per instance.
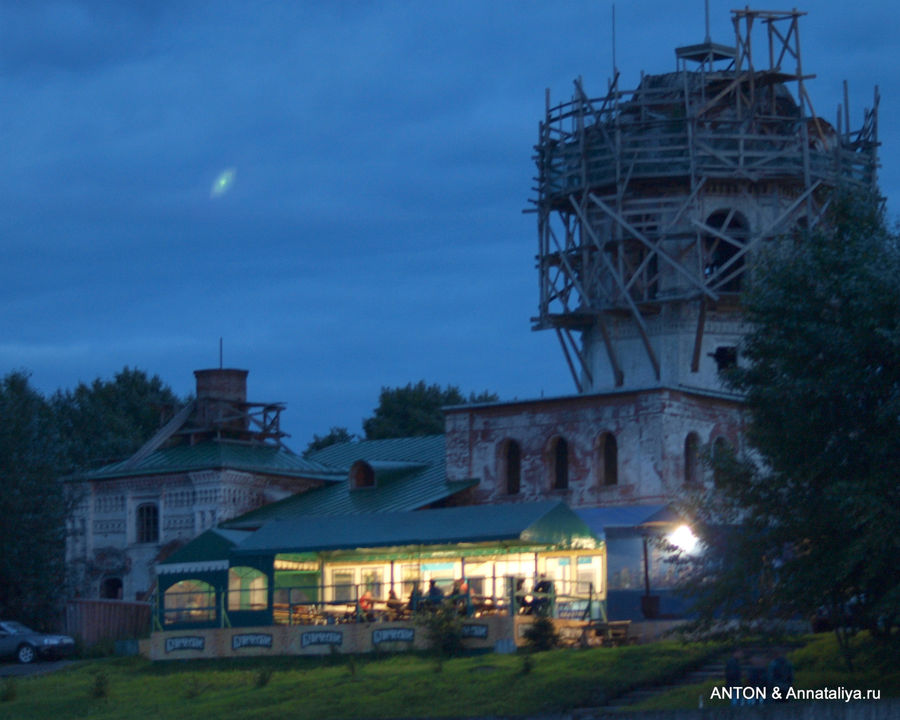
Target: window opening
(691, 458)
(148, 523)
(559, 459)
(512, 467)
(247, 589)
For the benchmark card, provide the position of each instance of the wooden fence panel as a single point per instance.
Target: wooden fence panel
(96, 620)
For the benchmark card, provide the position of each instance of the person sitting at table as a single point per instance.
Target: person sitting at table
(394, 604)
(415, 598)
(366, 605)
(459, 594)
(543, 592)
(523, 603)
(435, 594)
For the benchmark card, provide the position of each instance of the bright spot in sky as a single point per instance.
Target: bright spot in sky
(223, 182)
(683, 539)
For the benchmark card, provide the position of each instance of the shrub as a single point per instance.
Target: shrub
(443, 628)
(542, 634)
(100, 688)
(263, 676)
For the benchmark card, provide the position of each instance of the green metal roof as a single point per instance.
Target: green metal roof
(427, 450)
(548, 523)
(214, 544)
(410, 473)
(216, 454)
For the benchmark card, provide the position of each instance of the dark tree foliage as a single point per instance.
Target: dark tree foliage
(109, 420)
(415, 410)
(808, 519)
(335, 435)
(32, 507)
(42, 440)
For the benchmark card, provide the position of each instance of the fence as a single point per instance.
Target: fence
(96, 620)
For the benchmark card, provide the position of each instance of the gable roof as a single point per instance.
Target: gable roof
(410, 473)
(539, 523)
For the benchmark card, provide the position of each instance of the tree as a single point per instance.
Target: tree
(32, 508)
(808, 518)
(415, 410)
(109, 420)
(42, 440)
(335, 435)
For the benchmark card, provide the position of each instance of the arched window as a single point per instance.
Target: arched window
(691, 459)
(148, 523)
(720, 450)
(607, 459)
(189, 601)
(558, 457)
(247, 589)
(511, 463)
(361, 475)
(111, 588)
(721, 266)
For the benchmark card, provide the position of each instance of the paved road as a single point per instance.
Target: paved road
(35, 668)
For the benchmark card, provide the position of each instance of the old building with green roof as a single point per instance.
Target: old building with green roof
(217, 458)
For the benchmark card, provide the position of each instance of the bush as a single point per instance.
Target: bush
(542, 634)
(263, 676)
(100, 688)
(443, 628)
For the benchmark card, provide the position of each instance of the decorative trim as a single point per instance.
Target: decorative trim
(191, 567)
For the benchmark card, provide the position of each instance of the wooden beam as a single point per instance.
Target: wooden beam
(653, 246)
(569, 362)
(698, 337)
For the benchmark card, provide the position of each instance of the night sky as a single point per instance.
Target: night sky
(370, 231)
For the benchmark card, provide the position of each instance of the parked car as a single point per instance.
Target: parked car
(26, 645)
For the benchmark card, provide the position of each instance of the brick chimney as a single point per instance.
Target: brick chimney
(221, 393)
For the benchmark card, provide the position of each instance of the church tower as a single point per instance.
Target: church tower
(652, 202)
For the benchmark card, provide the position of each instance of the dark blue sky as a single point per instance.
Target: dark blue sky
(373, 234)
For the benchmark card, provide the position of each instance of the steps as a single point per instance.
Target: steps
(712, 670)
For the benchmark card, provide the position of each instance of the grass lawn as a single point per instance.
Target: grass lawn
(817, 665)
(345, 687)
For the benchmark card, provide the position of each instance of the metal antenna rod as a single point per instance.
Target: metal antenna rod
(220, 353)
(615, 69)
(707, 20)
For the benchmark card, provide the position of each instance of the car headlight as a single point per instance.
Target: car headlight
(52, 640)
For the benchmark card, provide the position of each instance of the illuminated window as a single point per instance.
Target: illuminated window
(247, 589)
(342, 580)
(189, 601)
(372, 580)
(148, 523)
(410, 577)
(589, 574)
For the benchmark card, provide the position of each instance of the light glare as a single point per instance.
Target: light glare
(223, 182)
(684, 539)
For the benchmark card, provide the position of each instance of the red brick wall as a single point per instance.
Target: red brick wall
(650, 428)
